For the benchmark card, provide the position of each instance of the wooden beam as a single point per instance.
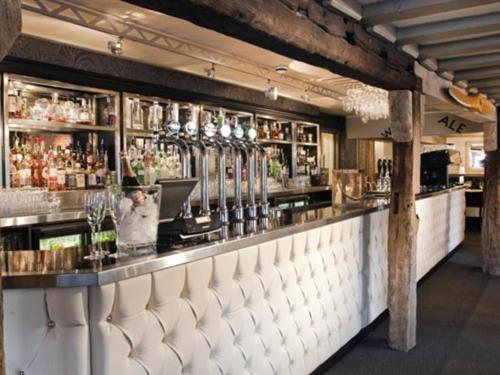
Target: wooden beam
(474, 46)
(443, 31)
(491, 203)
(478, 73)
(470, 62)
(10, 24)
(50, 59)
(10, 29)
(302, 30)
(403, 222)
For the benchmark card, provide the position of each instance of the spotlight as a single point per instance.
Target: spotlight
(116, 47)
(281, 69)
(210, 72)
(271, 91)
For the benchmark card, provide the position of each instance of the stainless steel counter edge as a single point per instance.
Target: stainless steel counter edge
(144, 265)
(78, 214)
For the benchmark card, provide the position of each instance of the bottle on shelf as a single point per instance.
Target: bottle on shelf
(55, 111)
(12, 101)
(136, 114)
(155, 116)
(109, 112)
(84, 115)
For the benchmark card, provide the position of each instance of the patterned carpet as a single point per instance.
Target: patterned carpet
(458, 325)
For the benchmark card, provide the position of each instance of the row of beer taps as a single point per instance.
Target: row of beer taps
(232, 140)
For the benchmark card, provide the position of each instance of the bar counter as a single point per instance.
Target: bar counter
(279, 301)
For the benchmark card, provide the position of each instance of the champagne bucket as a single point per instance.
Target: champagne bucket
(348, 187)
(138, 223)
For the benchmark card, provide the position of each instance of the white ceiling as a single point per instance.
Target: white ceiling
(459, 39)
(91, 24)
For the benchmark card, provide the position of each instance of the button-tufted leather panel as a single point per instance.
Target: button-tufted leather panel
(282, 307)
(441, 228)
(46, 331)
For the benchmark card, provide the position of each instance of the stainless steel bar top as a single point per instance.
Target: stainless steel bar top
(76, 213)
(98, 274)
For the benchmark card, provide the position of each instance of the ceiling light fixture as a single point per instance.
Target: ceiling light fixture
(271, 91)
(367, 102)
(281, 69)
(116, 47)
(210, 72)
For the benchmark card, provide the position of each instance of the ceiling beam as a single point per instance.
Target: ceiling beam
(478, 73)
(469, 62)
(462, 47)
(350, 8)
(301, 30)
(10, 26)
(453, 29)
(494, 91)
(396, 10)
(484, 83)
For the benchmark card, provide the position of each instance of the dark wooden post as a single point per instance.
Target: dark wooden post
(405, 112)
(491, 202)
(10, 28)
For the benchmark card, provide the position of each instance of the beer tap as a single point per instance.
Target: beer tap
(238, 210)
(222, 143)
(172, 131)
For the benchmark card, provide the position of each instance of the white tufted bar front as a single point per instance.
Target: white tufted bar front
(279, 307)
(282, 307)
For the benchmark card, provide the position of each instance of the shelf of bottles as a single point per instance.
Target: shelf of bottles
(145, 117)
(291, 146)
(276, 136)
(307, 149)
(59, 136)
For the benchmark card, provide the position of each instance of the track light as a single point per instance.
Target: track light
(116, 47)
(210, 72)
(271, 91)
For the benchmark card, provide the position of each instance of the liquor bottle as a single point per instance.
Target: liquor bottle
(36, 178)
(55, 111)
(129, 177)
(14, 173)
(70, 175)
(281, 134)
(139, 170)
(12, 100)
(149, 170)
(43, 170)
(109, 112)
(91, 177)
(25, 171)
(288, 136)
(84, 115)
(61, 173)
(52, 183)
(136, 114)
(274, 132)
(155, 116)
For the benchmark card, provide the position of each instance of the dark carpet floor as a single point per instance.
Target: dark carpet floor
(458, 328)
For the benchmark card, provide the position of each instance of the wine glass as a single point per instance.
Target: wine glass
(116, 210)
(95, 211)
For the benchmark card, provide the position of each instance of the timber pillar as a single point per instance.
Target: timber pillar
(406, 121)
(491, 202)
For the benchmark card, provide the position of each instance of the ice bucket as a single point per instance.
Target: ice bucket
(138, 230)
(348, 187)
